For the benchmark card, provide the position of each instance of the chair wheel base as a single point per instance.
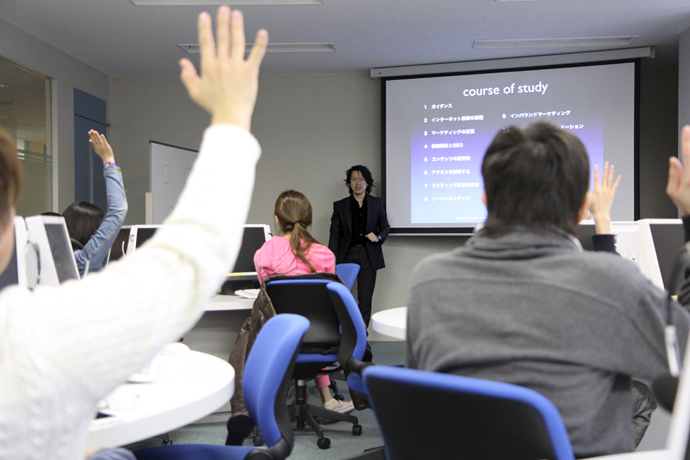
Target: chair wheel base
(357, 430)
(323, 443)
(258, 440)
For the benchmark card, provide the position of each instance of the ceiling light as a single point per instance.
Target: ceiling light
(4, 85)
(278, 48)
(554, 42)
(5, 116)
(224, 2)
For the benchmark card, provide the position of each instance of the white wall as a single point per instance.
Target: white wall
(312, 127)
(23, 48)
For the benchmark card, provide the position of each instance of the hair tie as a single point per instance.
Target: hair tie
(296, 222)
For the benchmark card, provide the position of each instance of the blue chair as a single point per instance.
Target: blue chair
(448, 416)
(267, 377)
(328, 305)
(348, 273)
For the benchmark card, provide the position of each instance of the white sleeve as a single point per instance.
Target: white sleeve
(98, 331)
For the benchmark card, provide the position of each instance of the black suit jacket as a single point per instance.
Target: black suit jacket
(341, 229)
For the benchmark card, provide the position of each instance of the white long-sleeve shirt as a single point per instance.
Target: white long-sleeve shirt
(64, 349)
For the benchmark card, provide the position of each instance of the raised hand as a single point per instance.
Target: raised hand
(101, 147)
(678, 187)
(602, 198)
(228, 84)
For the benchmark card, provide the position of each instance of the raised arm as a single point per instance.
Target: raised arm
(105, 327)
(678, 187)
(96, 249)
(602, 198)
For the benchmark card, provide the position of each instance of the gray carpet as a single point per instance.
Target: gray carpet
(343, 443)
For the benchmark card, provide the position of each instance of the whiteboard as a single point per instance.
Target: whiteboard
(170, 168)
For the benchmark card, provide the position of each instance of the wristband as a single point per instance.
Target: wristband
(111, 163)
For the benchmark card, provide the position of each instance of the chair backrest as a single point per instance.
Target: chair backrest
(309, 298)
(348, 273)
(354, 333)
(447, 416)
(268, 373)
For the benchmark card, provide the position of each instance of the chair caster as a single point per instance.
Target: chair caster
(258, 440)
(357, 430)
(339, 397)
(323, 443)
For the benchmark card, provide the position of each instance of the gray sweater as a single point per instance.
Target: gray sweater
(531, 308)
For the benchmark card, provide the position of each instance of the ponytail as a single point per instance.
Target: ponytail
(293, 211)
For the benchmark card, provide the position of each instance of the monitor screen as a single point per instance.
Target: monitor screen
(668, 243)
(10, 276)
(144, 234)
(61, 248)
(254, 237)
(584, 234)
(119, 247)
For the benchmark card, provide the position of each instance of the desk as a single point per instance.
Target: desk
(392, 322)
(188, 388)
(228, 302)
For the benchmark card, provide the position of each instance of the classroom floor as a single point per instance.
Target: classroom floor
(343, 443)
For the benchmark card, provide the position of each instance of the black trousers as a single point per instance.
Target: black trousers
(366, 279)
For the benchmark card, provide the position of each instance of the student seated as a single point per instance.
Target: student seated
(91, 232)
(63, 349)
(296, 252)
(522, 303)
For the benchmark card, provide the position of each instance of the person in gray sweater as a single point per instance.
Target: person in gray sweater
(522, 303)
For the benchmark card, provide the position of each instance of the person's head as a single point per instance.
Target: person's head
(535, 177)
(82, 219)
(10, 185)
(293, 215)
(359, 177)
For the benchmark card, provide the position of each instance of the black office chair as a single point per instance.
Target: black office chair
(323, 302)
(448, 416)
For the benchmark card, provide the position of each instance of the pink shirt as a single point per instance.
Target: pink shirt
(276, 258)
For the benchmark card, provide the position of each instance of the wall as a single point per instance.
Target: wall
(312, 128)
(67, 73)
(658, 138)
(683, 80)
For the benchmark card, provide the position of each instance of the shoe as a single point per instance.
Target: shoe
(344, 407)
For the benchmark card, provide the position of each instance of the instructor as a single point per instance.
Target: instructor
(359, 227)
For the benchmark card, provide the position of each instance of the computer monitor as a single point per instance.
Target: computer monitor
(57, 263)
(22, 269)
(119, 247)
(138, 235)
(633, 242)
(253, 238)
(668, 237)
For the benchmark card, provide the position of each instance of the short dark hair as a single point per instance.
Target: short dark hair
(10, 176)
(365, 173)
(535, 177)
(82, 219)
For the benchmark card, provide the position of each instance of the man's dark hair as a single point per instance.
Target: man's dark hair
(365, 173)
(82, 220)
(535, 177)
(10, 177)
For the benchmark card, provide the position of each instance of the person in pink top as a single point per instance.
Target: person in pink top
(296, 252)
